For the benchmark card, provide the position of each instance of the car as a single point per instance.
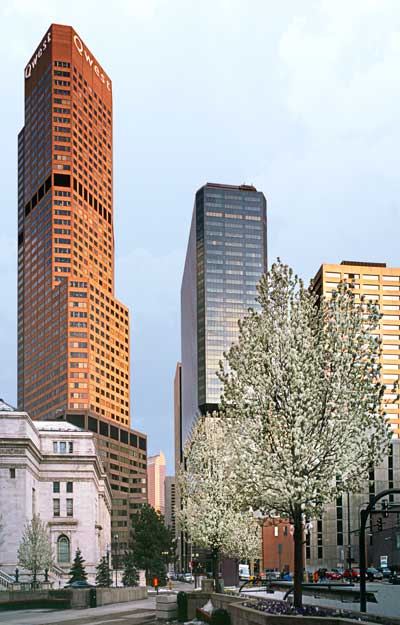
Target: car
(334, 575)
(386, 572)
(395, 578)
(272, 575)
(188, 577)
(80, 584)
(352, 574)
(374, 574)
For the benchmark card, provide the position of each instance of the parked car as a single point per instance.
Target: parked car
(386, 572)
(272, 575)
(333, 575)
(374, 574)
(188, 577)
(244, 572)
(80, 584)
(395, 578)
(352, 574)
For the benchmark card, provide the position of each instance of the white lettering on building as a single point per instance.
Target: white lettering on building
(34, 60)
(97, 70)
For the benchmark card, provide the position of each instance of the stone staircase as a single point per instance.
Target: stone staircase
(6, 581)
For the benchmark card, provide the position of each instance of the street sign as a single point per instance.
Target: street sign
(384, 560)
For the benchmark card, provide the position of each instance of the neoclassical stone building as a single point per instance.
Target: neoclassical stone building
(52, 468)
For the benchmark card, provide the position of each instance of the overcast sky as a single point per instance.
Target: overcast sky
(301, 99)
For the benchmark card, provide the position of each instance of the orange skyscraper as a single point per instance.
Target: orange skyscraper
(73, 334)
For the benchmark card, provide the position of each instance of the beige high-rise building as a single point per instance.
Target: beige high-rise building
(332, 539)
(156, 482)
(381, 285)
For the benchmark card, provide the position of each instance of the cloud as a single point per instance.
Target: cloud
(340, 62)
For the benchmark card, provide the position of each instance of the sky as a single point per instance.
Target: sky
(300, 99)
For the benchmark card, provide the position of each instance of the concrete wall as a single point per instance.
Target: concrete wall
(119, 595)
(247, 616)
(37, 595)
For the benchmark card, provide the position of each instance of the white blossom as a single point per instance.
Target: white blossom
(301, 400)
(34, 552)
(205, 482)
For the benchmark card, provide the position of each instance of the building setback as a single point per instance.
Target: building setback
(52, 469)
(225, 259)
(73, 334)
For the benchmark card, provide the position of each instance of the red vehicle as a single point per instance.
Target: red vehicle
(352, 574)
(334, 575)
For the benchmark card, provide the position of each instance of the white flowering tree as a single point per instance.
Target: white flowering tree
(34, 552)
(205, 483)
(302, 401)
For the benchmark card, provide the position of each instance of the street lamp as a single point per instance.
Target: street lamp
(195, 569)
(116, 559)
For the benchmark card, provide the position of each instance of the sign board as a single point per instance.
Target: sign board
(142, 578)
(384, 560)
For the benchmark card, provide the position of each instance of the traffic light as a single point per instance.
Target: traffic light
(380, 524)
(385, 508)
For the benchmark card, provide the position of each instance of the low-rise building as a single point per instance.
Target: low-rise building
(52, 469)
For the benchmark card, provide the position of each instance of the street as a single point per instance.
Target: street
(131, 613)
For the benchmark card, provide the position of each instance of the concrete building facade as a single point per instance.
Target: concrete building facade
(170, 503)
(329, 538)
(52, 469)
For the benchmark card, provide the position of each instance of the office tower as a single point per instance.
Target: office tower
(170, 503)
(381, 285)
(73, 334)
(225, 259)
(156, 482)
(74, 347)
(329, 540)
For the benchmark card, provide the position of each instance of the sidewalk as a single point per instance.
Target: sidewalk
(134, 611)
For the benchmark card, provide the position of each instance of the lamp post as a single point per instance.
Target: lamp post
(349, 558)
(195, 568)
(116, 559)
(165, 555)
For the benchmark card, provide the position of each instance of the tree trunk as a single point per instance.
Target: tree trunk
(215, 555)
(298, 556)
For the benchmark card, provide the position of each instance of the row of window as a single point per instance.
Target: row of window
(69, 508)
(63, 447)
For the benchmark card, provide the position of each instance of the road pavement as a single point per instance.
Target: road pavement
(129, 613)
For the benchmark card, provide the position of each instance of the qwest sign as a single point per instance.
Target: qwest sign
(36, 57)
(89, 59)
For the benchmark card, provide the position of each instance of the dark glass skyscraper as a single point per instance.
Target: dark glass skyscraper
(226, 257)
